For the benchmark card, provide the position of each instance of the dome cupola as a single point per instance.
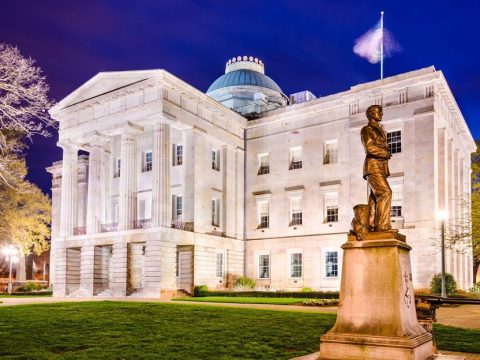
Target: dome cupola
(246, 89)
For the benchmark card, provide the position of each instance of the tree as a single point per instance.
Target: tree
(23, 103)
(25, 211)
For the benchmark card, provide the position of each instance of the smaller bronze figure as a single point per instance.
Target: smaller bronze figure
(360, 221)
(375, 170)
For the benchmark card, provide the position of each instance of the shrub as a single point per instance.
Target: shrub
(245, 283)
(476, 287)
(276, 294)
(320, 302)
(200, 290)
(450, 284)
(307, 290)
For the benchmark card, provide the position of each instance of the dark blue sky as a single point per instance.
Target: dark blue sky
(304, 44)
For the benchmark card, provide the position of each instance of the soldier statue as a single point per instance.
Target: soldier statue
(375, 170)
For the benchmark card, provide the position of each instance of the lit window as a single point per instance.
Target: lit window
(215, 212)
(296, 211)
(177, 155)
(396, 209)
(394, 139)
(264, 217)
(295, 158)
(177, 201)
(147, 161)
(118, 165)
(330, 152)
(331, 264)
(216, 160)
(296, 265)
(331, 207)
(219, 265)
(264, 166)
(264, 266)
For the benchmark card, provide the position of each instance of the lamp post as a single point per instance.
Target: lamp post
(11, 253)
(442, 216)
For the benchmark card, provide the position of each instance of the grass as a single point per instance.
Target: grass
(244, 300)
(128, 330)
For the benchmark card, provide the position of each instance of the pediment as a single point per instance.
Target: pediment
(103, 83)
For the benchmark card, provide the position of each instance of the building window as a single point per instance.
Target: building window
(331, 264)
(295, 158)
(177, 202)
(264, 216)
(219, 265)
(216, 160)
(177, 155)
(264, 266)
(118, 165)
(177, 263)
(296, 211)
(394, 139)
(402, 97)
(330, 152)
(396, 209)
(147, 161)
(331, 207)
(215, 212)
(296, 265)
(264, 165)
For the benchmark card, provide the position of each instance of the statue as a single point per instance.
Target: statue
(375, 171)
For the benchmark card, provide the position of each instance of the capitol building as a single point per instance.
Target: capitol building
(163, 187)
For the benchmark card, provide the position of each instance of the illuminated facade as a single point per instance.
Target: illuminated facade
(178, 190)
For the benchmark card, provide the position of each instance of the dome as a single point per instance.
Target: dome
(244, 77)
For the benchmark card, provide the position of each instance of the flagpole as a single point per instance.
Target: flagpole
(381, 46)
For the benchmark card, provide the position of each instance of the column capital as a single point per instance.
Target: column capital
(159, 118)
(68, 145)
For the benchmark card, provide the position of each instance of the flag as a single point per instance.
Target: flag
(368, 45)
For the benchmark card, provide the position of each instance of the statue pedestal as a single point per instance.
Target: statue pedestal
(376, 315)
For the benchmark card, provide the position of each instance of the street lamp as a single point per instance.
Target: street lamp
(11, 253)
(442, 216)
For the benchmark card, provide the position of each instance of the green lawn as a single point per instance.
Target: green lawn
(25, 295)
(130, 330)
(244, 300)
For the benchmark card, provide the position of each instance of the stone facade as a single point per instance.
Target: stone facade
(177, 190)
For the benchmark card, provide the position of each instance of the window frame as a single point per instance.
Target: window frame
(299, 220)
(259, 264)
(221, 266)
(147, 165)
(338, 263)
(292, 267)
(292, 164)
(328, 208)
(263, 169)
(260, 221)
(215, 158)
(394, 147)
(215, 212)
(117, 167)
(331, 158)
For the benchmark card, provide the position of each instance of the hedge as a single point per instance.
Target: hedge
(272, 294)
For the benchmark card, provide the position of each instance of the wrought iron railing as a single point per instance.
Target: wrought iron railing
(143, 224)
(81, 230)
(109, 227)
(187, 226)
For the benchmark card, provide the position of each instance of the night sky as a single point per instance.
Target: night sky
(305, 45)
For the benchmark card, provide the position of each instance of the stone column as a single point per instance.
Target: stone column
(161, 194)
(229, 208)
(119, 267)
(95, 183)
(128, 180)
(68, 215)
(87, 263)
